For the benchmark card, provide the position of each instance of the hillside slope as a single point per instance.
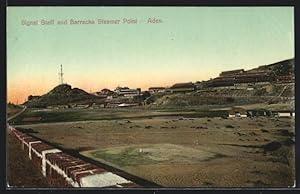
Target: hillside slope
(281, 68)
(61, 94)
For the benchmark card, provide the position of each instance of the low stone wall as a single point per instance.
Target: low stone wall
(64, 170)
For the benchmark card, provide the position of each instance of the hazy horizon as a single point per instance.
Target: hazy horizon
(191, 44)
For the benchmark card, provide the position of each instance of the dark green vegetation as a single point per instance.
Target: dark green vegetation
(164, 154)
(128, 157)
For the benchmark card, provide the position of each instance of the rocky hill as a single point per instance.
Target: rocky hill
(281, 68)
(274, 92)
(60, 95)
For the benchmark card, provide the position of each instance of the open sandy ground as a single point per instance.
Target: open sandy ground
(186, 152)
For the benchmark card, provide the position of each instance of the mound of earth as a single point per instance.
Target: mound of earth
(60, 95)
(197, 99)
(281, 68)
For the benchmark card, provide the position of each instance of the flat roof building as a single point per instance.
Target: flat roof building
(183, 87)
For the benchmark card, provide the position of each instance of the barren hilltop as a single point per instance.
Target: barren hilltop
(60, 95)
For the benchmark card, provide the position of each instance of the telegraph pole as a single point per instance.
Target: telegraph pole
(61, 75)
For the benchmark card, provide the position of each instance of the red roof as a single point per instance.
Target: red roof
(183, 85)
(224, 73)
(105, 90)
(157, 88)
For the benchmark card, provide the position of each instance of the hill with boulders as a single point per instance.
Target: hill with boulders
(281, 68)
(61, 95)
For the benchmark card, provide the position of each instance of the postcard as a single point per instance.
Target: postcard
(150, 97)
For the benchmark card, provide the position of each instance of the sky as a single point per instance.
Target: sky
(188, 44)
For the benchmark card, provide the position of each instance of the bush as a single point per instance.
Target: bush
(274, 145)
(230, 100)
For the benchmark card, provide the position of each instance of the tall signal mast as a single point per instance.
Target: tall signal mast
(61, 75)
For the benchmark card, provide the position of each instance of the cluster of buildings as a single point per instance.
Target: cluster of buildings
(236, 79)
(119, 97)
(240, 77)
(178, 87)
(127, 92)
(241, 112)
(130, 93)
(119, 91)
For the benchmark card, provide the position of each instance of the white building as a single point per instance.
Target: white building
(125, 91)
(157, 89)
(237, 112)
(285, 113)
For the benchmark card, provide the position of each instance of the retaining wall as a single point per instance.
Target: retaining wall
(63, 170)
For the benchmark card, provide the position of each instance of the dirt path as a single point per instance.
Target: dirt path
(17, 114)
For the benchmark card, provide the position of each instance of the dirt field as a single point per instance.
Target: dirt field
(186, 152)
(20, 170)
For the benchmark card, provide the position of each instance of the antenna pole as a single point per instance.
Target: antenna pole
(61, 75)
